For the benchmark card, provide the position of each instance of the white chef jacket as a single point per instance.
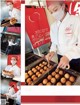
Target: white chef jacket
(11, 91)
(15, 69)
(15, 13)
(17, 96)
(65, 37)
(11, 43)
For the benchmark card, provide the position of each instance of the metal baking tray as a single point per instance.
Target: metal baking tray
(37, 64)
(70, 71)
(30, 58)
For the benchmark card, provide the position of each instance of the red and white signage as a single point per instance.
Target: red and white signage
(37, 26)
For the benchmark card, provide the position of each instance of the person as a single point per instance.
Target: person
(11, 70)
(65, 36)
(17, 95)
(14, 13)
(9, 47)
(11, 90)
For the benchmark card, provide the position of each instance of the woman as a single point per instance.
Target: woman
(65, 36)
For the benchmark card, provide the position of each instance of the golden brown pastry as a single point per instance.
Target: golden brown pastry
(37, 73)
(49, 83)
(53, 73)
(45, 67)
(61, 72)
(45, 81)
(63, 80)
(67, 76)
(49, 77)
(41, 70)
(40, 84)
(33, 69)
(58, 84)
(44, 63)
(68, 83)
(28, 80)
(57, 70)
(26, 75)
(57, 76)
(72, 79)
(33, 76)
(53, 80)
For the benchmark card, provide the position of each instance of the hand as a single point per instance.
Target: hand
(64, 62)
(49, 56)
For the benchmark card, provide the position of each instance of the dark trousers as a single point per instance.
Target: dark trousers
(74, 63)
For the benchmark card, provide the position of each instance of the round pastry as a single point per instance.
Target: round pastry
(44, 63)
(33, 69)
(57, 70)
(38, 68)
(72, 79)
(53, 73)
(67, 76)
(68, 83)
(58, 84)
(45, 81)
(29, 71)
(63, 80)
(57, 76)
(61, 72)
(26, 75)
(28, 80)
(45, 67)
(33, 76)
(40, 84)
(53, 80)
(49, 77)
(37, 73)
(41, 65)
(41, 70)
(49, 83)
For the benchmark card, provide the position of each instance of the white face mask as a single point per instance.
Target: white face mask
(59, 14)
(10, 7)
(13, 62)
(18, 87)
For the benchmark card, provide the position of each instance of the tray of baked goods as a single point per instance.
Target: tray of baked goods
(58, 77)
(37, 71)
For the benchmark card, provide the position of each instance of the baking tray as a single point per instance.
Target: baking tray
(30, 58)
(70, 71)
(36, 64)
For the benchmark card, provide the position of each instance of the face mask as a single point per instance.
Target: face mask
(59, 14)
(10, 7)
(18, 87)
(13, 62)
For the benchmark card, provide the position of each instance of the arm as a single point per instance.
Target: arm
(8, 73)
